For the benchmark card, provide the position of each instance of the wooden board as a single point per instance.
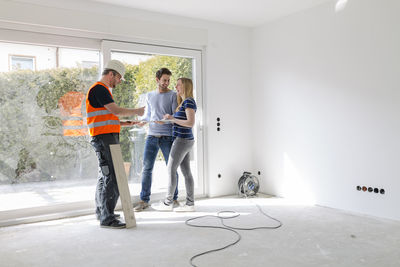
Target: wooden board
(123, 188)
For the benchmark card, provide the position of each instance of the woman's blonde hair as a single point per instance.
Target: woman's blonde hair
(187, 85)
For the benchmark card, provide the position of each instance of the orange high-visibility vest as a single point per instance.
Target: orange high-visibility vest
(70, 106)
(100, 120)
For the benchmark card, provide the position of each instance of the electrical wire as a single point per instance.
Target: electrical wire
(228, 228)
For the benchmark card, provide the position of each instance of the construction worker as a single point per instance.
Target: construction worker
(104, 128)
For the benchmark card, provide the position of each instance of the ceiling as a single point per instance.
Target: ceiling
(248, 13)
(238, 12)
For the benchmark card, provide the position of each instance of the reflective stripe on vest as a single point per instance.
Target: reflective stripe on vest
(100, 120)
(103, 123)
(97, 113)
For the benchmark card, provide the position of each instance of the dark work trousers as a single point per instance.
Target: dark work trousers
(107, 189)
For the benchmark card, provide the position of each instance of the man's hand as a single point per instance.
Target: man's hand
(139, 111)
(141, 123)
(168, 117)
(128, 123)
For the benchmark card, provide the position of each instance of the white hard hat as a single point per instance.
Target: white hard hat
(116, 65)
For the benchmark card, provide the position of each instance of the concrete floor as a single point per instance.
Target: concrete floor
(310, 236)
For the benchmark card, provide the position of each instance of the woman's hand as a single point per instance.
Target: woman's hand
(189, 122)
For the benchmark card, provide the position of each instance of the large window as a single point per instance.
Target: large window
(44, 151)
(47, 165)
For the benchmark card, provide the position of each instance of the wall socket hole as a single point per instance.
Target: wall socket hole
(219, 175)
(370, 189)
(364, 188)
(259, 172)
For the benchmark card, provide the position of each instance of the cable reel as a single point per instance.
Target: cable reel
(248, 184)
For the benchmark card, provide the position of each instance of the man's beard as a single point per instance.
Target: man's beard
(113, 84)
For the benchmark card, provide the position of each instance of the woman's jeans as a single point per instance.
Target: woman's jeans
(180, 156)
(153, 144)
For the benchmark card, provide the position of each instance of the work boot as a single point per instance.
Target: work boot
(116, 224)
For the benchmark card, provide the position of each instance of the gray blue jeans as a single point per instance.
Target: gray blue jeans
(153, 145)
(180, 156)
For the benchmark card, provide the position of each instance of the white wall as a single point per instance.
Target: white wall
(43, 57)
(228, 97)
(326, 101)
(226, 67)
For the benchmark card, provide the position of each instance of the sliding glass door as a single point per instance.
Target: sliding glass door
(142, 62)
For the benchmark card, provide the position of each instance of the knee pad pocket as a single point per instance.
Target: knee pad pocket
(102, 158)
(105, 170)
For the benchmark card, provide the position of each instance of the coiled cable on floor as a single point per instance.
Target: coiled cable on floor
(248, 184)
(228, 228)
